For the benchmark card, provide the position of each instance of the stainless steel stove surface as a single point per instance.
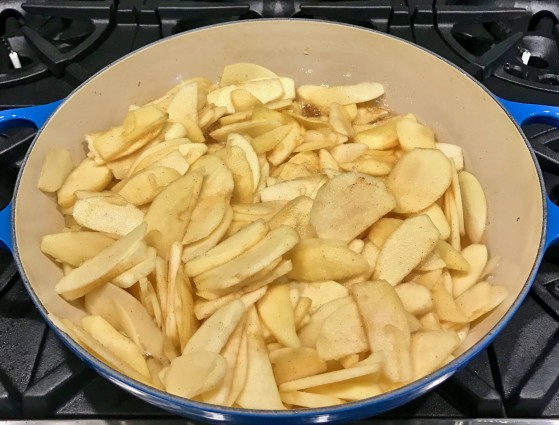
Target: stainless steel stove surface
(511, 46)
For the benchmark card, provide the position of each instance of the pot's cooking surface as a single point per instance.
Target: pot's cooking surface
(512, 46)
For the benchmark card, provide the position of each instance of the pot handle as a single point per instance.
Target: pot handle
(36, 115)
(6, 226)
(525, 113)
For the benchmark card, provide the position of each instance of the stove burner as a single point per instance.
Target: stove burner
(515, 41)
(47, 37)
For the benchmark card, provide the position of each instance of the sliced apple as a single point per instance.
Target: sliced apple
(419, 178)
(475, 206)
(86, 176)
(476, 255)
(74, 248)
(323, 97)
(405, 248)
(316, 260)
(276, 312)
(272, 246)
(109, 263)
(348, 204)
(335, 341)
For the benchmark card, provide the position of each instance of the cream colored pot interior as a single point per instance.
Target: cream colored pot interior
(310, 52)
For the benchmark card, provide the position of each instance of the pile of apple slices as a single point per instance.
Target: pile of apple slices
(262, 246)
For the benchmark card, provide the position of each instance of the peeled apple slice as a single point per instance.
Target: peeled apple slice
(476, 256)
(419, 178)
(276, 312)
(230, 248)
(405, 248)
(109, 263)
(216, 330)
(56, 168)
(348, 204)
(335, 341)
(114, 341)
(316, 260)
(74, 248)
(240, 72)
(380, 309)
(272, 246)
(344, 95)
(413, 135)
(429, 349)
(195, 373)
(474, 204)
(127, 315)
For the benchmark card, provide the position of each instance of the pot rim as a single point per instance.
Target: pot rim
(215, 412)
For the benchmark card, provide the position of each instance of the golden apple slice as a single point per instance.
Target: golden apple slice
(481, 299)
(311, 400)
(291, 189)
(475, 206)
(276, 312)
(413, 135)
(309, 333)
(295, 363)
(86, 176)
(476, 255)
(154, 153)
(239, 141)
(415, 298)
(206, 217)
(203, 245)
(316, 260)
(429, 349)
(445, 305)
(438, 218)
(184, 103)
(353, 389)
(340, 120)
(381, 230)
(251, 128)
(216, 330)
(272, 246)
(335, 341)
(260, 390)
(74, 248)
(194, 373)
(286, 146)
(269, 140)
(220, 394)
(319, 293)
(348, 204)
(228, 249)
(139, 271)
(323, 97)
(348, 152)
(419, 178)
(454, 153)
(295, 214)
(57, 166)
(145, 185)
(126, 314)
(169, 214)
(381, 310)
(240, 72)
(405, 248)
(329, 377)
(173, 160)
(243, 101)
(114, 341)
(454, 259)
(109, 263)
(235, 159)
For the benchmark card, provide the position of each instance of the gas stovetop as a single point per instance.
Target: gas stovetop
(47, 48)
